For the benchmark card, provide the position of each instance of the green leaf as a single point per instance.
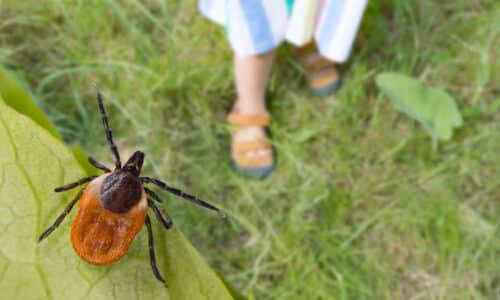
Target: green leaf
(234, 292)
(187, 274)
(17, 98)
(32, 163)
(432, 107)
(82, 158)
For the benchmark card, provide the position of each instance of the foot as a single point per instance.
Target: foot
(251, 150)
(252, 134)
(321, 74)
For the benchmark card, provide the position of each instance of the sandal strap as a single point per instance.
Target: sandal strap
(304, 50)
(314, 63)
(240, 152)
(323, 78)
(249, 120)
(254, 162)
(311, 60)
(247, 146)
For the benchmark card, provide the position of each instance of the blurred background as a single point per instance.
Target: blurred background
(361, 205)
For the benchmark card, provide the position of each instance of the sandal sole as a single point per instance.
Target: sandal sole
(254, 172)
(327, 89)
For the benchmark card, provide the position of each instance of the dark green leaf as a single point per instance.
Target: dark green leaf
(17, 98)
(82, 158)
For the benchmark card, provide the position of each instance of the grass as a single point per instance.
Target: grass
(360, 206)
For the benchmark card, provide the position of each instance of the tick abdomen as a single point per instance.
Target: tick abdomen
(99, 235)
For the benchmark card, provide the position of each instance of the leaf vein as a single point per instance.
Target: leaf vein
(35, 196)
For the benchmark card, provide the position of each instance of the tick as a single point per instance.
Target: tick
(113, 207)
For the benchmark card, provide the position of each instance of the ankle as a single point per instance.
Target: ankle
(250, 106)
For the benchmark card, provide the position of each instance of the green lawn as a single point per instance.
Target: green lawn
(360, 207)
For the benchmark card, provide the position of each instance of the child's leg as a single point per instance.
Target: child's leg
(251, 76)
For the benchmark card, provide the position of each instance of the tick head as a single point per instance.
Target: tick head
(134, 163)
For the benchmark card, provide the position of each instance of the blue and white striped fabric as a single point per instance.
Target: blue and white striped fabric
(258, 26)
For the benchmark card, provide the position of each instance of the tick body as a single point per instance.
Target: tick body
(113, 208)
(101, 236)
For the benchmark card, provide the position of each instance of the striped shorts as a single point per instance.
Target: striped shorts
(257, 26)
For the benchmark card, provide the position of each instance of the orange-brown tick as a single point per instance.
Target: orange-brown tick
(113, 208)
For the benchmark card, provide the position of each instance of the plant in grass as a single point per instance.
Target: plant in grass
(432, 107)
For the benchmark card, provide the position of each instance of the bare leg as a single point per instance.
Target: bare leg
(252, 75)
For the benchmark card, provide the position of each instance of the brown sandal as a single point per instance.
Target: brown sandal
(321, 75)
(258, 164)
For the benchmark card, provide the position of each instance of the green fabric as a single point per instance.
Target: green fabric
(289, 4)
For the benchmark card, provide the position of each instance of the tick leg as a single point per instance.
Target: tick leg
(60, 218)
(166, 220)
(153, 195)
(152, 255)
(107, 129)
(74, 184)
(98, 165)
(180, 193)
